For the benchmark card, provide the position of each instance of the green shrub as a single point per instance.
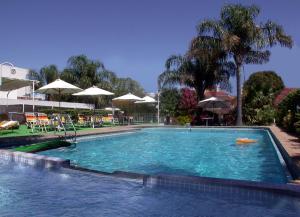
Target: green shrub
(297, 123)
(259, 92)
(286, 111)
(184, 119)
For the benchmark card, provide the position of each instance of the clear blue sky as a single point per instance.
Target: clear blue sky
(131, 37)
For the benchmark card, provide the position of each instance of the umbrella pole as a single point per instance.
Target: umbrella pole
(59, 98)
(94, 113)
(113, 112)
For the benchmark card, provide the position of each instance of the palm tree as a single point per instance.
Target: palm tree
(245, 40)
(204, 66)
(46, 75)
(83, 72)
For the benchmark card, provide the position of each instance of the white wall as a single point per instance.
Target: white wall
(21, 73)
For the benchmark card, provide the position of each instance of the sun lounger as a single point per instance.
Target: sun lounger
(6, 125)
(43, 121)
(31, 120)
(107, 120)
(116, 121)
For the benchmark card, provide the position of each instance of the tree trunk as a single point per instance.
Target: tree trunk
(200, 92)
(239, 120)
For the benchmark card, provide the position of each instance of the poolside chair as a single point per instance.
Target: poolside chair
(98, 120)
(43, 121)
(116, 121)
(6, 125)
(31, 120)
(107, 120)
(81, 120)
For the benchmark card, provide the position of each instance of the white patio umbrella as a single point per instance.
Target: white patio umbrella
(95, 92)
(213, 103)
(145, 100)
(58, 87)
(127, 98)
(112, 109)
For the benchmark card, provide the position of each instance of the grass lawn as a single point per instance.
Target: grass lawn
(24, 131)
(42, 146)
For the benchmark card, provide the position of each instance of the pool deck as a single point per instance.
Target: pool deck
(290, 151)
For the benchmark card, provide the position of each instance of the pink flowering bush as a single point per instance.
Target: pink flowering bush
(188, 100)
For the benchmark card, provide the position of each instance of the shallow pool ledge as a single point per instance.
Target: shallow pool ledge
(35, 160)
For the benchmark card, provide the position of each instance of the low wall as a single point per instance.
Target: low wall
(34, 160)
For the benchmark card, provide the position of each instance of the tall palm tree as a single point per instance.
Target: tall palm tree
(204, 66)
(245, 40)
(82, 71)
(46, 75)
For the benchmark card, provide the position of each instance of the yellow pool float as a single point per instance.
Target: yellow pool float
(241, 141)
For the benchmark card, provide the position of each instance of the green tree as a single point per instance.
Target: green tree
(259, 92)
(83, 72)
(297, 122)
(245, 40)
(45, 75)
(287, 110)
(260, 110)
(266, 82)
(169, 99)
(204, 66)
(127, 85)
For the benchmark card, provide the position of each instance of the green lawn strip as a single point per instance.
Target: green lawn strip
(42, 146)
(22, 131)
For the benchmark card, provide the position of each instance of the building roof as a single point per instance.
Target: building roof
(9, 84)
(219, 94)
(286, 91)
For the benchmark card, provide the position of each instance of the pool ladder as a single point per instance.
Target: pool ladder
(66, 125)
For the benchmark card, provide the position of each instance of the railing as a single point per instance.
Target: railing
(66, 124)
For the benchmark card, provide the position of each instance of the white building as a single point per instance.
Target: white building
(21, 100)
(19, 73)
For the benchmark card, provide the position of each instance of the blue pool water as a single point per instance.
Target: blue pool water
(201, 152)
(25, 191)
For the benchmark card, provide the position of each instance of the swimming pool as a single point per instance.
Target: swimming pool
(199, 152)
(25, 191)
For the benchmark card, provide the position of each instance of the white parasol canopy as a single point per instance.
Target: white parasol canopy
(128, 98)
(112, 109)
(93, 91)
(213, 103)
(146, 99)
(58, 87)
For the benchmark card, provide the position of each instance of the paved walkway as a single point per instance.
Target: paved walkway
(291, 145)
